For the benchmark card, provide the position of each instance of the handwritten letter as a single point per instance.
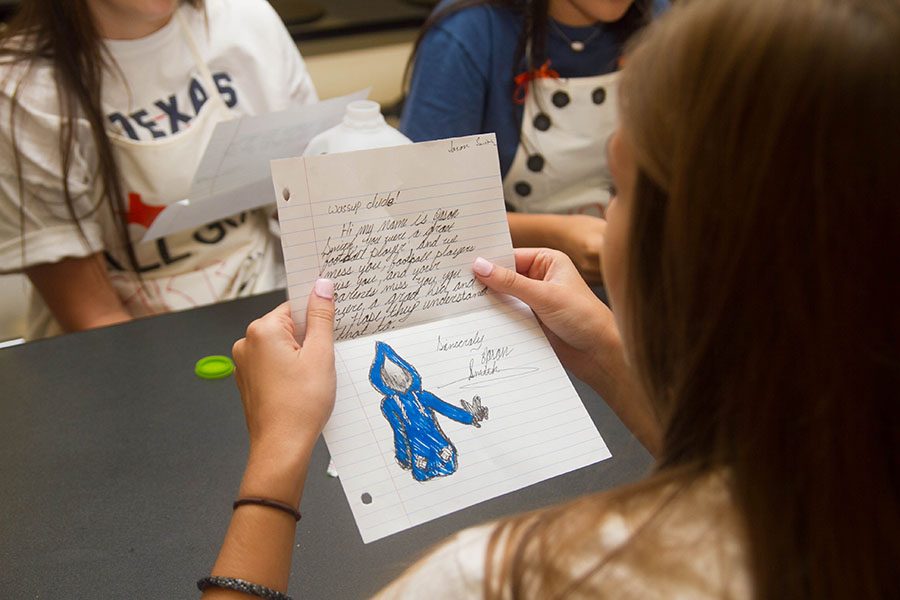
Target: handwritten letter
(448, 395)
(397, 235)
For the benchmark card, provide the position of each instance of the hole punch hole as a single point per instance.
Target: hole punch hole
(286, 194)
(366, 498)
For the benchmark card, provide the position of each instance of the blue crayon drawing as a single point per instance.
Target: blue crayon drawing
(419, 443)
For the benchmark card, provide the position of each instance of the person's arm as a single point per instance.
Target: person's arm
(260, 541)
(283, 76)
(288, 391)
(300, 86)
(581, 330)
(448, 87)
(78, 293)
(580, 237)
(52, 231)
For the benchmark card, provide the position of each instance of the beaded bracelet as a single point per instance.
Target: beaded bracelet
(268, 503)
(239, 585)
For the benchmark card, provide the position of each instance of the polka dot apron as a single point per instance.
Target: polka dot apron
(560, 166)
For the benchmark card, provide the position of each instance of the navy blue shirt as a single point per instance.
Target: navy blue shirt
(462, 82)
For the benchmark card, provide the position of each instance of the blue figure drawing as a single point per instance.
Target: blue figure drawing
(419, 443)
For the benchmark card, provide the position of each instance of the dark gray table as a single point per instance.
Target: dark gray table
(118, 468)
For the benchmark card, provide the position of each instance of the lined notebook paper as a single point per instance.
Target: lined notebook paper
(448, 395)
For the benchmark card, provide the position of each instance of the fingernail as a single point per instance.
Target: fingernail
(324, 288)
(483, 267)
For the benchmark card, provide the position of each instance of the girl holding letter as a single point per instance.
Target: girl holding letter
(752, 265)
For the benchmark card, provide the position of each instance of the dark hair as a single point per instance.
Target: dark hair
(65, 35)
(762, 291)
(531, 48)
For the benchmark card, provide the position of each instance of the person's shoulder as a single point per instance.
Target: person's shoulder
(476, 31)
(241, 14)
(252, 25)
(480, 22)
(679, 538)
(244, 8)
(678, 501)
(454, 569)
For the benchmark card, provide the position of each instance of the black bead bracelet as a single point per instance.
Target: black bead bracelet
(240, 585)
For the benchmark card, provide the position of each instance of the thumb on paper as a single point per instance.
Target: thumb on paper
(506, 281)
(320, 316)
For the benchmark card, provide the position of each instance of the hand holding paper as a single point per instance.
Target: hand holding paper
(578, 324)
(447, 394)
(287, 388)
(581, 329)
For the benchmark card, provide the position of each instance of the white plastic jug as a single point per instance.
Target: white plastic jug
(363, 127)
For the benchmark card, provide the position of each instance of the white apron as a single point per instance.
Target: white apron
(222, 260)
(560, 165)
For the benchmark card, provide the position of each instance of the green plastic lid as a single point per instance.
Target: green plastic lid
(214, 367)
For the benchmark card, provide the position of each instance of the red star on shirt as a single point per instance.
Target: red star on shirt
(140, 213)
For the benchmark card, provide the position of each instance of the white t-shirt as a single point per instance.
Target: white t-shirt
(691, 545)
(255, 68)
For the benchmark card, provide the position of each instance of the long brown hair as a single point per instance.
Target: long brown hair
(763, 295)
(64, 35)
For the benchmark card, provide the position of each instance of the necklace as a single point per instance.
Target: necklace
(575, 45)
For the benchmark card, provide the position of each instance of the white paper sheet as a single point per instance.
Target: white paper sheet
(233, 174)
(397, 229)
